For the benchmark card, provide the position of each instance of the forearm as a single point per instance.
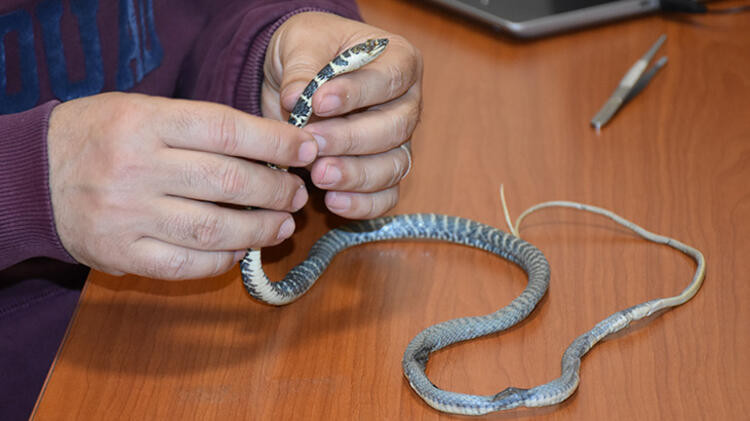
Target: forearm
(27, 227)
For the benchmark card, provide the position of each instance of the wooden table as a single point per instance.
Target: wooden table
(676, 160)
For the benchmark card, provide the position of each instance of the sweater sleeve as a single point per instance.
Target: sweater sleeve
(27, 226)
(226, 65)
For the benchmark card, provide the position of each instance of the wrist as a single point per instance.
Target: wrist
(27, 227)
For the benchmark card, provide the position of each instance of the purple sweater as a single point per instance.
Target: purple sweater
(55, 50)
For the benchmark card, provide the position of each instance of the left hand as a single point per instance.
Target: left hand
(368, 114)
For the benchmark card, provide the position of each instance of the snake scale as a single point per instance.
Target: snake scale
(466, 232)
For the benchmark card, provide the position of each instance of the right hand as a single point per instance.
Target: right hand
(135, 181)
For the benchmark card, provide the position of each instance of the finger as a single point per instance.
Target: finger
(387, 77)
(156, 259)
(361, 205)
(224, 179)
(206, 226)
(375, 130)
(363, 174)
(300, 63)
(220, 129)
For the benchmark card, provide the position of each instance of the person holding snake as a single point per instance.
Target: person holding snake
(122, 142)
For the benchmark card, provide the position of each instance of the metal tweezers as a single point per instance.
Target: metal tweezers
(631, 84)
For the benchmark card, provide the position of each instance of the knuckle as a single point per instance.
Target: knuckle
(403, 123)
(411, 119)
(413, 62)
(365, 178)
(120, 151)
(206, 231)
(112, 190)
(174, 225)
(183, 119)
(385, 203)
(401, 127)
(348, 144)
(262, 236)
(223, 263)
(363, 206)
(381, 202)
(172, 265)
(232, 181)
(398, 169)
(283, 196)
(201, 232)
(195, 173)
(398, 80)
(274, 144)
(392, 199)
(122, 167)
(176, 265)
(123, 113)
(227, 133)
(285, 188)
(405, 72)
(369, 207)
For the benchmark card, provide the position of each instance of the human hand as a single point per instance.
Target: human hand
(135, 182)
(368, 113)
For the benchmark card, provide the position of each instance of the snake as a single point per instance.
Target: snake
(462, 231)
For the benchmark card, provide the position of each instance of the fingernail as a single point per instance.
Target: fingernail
(321, 142)
(331, 175)
(307, 151)
(300, 198)
(286, 230)
(239, 255)
(339, 202)
(329, 103)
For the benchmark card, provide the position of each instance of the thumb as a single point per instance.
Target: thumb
(298, 54)
(299, 67)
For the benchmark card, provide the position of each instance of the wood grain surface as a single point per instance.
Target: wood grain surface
(675, 160)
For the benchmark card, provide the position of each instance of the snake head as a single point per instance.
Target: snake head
(359, 55)
(511, 397)
(375, 46)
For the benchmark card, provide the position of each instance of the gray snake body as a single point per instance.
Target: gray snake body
(466, 232)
